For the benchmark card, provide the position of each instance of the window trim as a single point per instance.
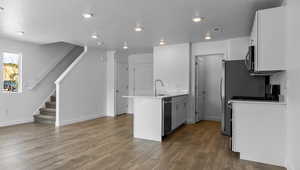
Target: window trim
(20, 64)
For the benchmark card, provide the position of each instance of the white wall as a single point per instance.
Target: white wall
(82, 93)
(293, 81)
(140, 73)
(281, 79)
(19, 108)
(238, 48)
(171, 64)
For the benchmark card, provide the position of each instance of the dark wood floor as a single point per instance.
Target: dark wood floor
(107, 143)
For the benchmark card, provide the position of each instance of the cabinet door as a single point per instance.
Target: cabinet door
(254, 40)
(182, 116)
(271, 39)
(178, 113)
(183, 111)
(174, 112)
(234, 137)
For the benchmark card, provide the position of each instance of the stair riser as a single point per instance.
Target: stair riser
(45, 121)
(53, 98)
(52, 106)
(48, 113)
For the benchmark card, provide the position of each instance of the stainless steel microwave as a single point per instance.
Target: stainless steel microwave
(250, 59)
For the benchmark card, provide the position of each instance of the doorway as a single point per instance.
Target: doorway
(122, 84)
(208, 84)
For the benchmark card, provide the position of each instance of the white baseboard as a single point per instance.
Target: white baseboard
(262, 159)
(109, 115)
(190, 122)
(15, 122)
(212, 117)
(78, 119)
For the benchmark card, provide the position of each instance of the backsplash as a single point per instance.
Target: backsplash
(280, 78)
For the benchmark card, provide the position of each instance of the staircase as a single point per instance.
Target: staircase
(48, 113)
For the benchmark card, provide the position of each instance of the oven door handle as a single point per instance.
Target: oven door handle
(247, 60)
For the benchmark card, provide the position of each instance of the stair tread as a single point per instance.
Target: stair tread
(47, 109)
(52, 102)
(48, 117)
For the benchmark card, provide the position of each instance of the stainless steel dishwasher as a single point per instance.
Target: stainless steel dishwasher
(167, 115)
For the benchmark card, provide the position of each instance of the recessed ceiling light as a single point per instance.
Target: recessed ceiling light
(87, 15)
(125, 47)
(208, 36)
(95, 36)
(197, 19)
(162, 42)
(20, 33)
(138, 28)
(99, 43)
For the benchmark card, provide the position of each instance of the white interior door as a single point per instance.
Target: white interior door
(143, 79)
(199, 89)
(212, 88)
(122, 88)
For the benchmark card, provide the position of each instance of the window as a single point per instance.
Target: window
(11, 70)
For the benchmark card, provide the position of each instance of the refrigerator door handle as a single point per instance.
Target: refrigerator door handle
(221, 85)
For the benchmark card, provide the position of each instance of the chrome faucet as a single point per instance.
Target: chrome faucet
(155, 85)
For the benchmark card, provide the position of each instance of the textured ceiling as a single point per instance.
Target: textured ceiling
(47, 21)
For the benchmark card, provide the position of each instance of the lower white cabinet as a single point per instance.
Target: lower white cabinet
(258, 131)
(179, 111)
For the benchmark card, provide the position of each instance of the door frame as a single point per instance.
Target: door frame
(195, 79)
(196, 86)
(117, 61)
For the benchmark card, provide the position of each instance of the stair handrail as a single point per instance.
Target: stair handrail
(70, 68)
(37, 80)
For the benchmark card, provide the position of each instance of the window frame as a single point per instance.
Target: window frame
(20, 64)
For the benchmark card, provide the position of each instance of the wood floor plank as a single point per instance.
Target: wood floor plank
(107, 143)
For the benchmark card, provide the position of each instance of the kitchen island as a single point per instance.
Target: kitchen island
(153, 115)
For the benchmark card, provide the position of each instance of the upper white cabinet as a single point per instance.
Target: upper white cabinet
(171, 65)
(268, 37)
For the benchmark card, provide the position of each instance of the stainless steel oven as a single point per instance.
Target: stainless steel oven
(250, 59)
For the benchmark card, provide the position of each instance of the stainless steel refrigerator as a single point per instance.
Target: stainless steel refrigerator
(237, 82)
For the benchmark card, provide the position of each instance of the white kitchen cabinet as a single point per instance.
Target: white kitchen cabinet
(258, 134)
(268, 37)
(179, 111)
(183, 116)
